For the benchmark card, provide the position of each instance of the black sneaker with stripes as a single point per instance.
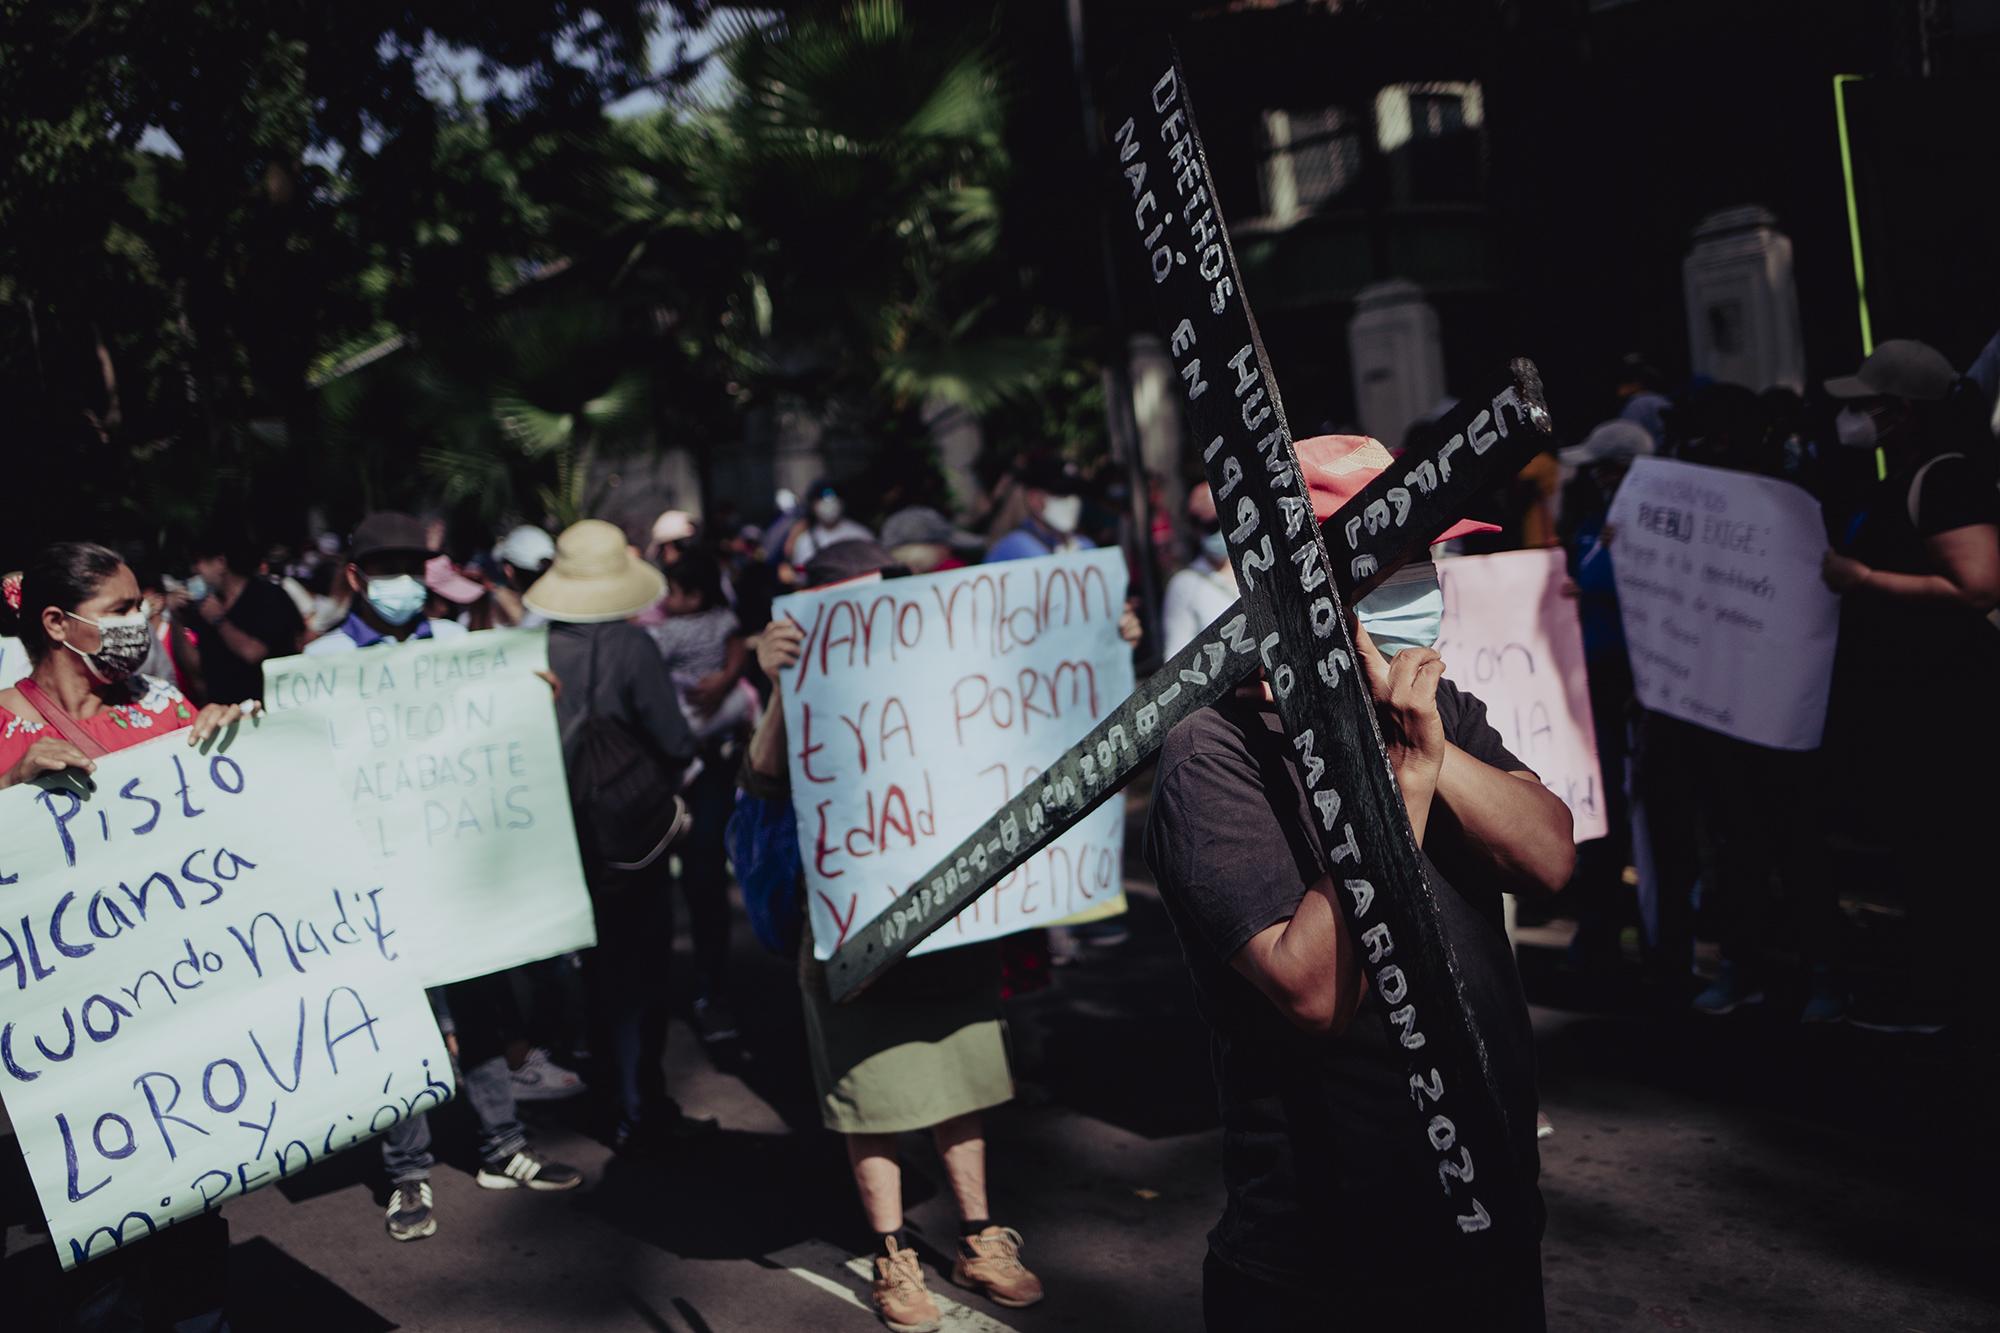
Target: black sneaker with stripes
(524, 1170)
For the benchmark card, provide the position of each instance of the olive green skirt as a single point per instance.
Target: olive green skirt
(916, 1049)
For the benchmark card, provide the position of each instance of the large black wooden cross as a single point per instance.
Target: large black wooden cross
(1291, 624)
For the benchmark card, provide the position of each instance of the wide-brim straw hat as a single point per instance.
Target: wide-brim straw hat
(596, 577)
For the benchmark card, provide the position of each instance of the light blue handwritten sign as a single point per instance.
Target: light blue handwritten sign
(203, 989)
(920, 704)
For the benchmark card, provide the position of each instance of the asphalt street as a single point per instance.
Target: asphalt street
(1741, 1173)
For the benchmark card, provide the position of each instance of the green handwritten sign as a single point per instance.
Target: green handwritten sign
(448, 761)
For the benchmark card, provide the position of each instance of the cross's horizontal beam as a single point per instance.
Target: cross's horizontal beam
(1392, 519)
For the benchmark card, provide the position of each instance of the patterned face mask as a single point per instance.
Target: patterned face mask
(122, 644)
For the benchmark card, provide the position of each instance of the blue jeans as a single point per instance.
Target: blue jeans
(489, 1087)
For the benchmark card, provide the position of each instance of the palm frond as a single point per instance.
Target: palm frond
(977, 375)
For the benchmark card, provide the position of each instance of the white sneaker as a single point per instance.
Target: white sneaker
(540, 1079)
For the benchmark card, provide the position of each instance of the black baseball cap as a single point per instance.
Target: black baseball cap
(388, 533)
(850, 559)
(1051, 473)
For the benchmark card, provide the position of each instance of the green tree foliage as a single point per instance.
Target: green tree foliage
(395, 253)
(301, 188)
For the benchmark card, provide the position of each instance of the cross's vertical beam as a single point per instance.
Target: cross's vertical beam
(1299, 622)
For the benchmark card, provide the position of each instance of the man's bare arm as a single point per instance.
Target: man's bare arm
(1509, 820)
(1307, 966)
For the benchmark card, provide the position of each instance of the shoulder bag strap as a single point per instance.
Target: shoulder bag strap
(64, 724)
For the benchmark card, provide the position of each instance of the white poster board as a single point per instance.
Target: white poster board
(920, 705)
(1726, 619)
(13, 661)
(203, 988)
(446, 755)
(1511, 637)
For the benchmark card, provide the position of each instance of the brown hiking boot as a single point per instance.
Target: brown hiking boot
(900, 1295)
(990, 1263)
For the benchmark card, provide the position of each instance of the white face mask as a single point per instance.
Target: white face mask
(397, 598)
(828, 509)
(1405, 612)
(1215, 548)
(1063, 512)
(1855, 428)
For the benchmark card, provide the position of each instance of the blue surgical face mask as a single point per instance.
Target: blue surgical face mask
(397, 598)
(1214, 548)
(1405, 612)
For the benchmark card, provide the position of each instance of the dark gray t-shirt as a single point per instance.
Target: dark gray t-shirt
(616, 669)
(1326, 1170)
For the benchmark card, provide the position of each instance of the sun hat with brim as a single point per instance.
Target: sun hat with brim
(1337, 467)
(1609, 441)
(1899, 368)
(449, 581)
(596, 577)
(388, 533)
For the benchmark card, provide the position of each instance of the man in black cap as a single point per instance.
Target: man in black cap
(1917, 565)
(386, 574)
(1053, 491)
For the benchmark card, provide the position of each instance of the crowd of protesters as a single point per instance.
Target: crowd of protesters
(664, 661)
(1718, 836)
(661, 651)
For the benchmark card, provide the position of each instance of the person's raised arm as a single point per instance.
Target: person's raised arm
(1509, 820)
(1966, 562)
(247, 646)
(778, 647)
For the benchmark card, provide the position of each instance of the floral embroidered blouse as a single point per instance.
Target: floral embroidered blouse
(144, 707)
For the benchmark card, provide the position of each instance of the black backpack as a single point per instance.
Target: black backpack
(621, 789)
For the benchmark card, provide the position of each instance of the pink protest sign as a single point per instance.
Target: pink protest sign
(1511, 637)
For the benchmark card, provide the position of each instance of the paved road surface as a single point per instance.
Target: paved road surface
(1708, 1175)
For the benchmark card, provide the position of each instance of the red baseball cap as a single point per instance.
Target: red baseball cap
(1337, 467)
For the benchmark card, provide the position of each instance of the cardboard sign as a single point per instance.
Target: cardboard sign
(202, 988)
(1726, 619)
(921, 704)
(446, 754)
(1511, 637)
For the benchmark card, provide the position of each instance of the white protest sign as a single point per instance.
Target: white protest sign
(446, 753)
(1511, 637)
(1726, 619)
(202, 988)
(919, 705)
(13, 661)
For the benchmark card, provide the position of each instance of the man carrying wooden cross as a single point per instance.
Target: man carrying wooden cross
(1331, 1219)
(1384, 1176)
